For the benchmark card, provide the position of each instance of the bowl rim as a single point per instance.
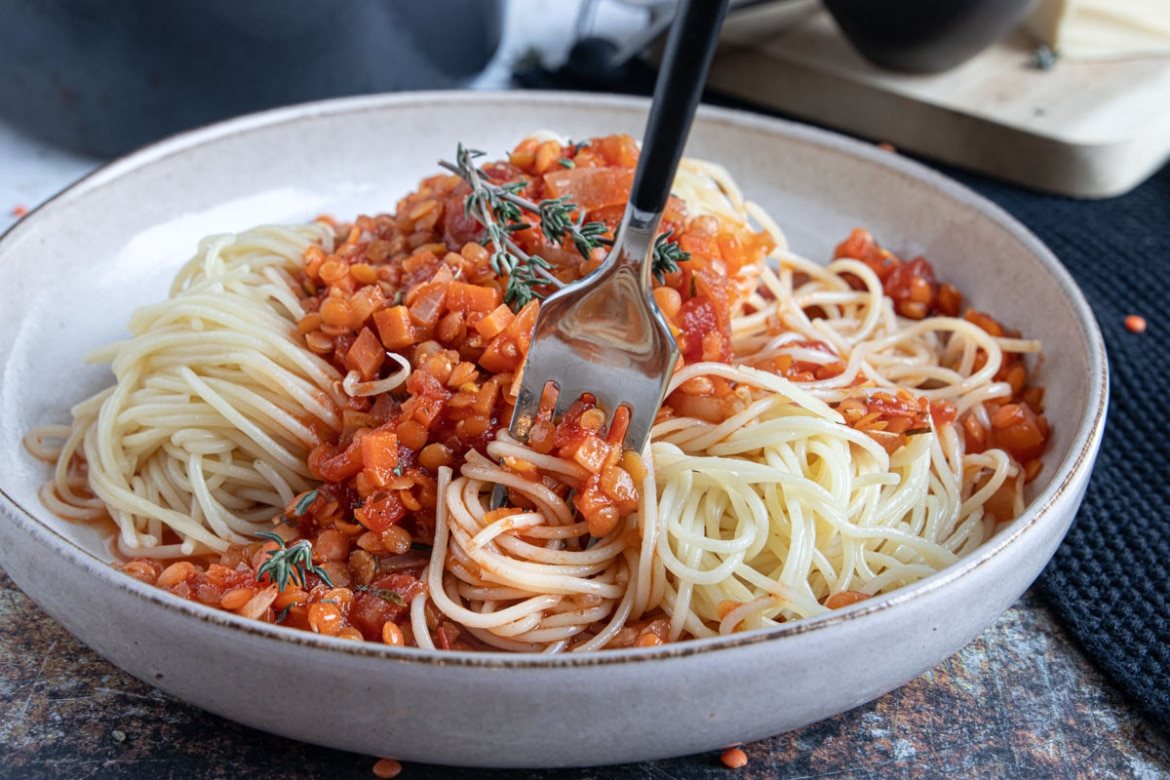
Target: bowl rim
(1083, 447)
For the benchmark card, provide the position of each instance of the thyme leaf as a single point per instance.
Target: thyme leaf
(280, 616)
(292, 564)
(667, 255)
(304, 503)
(389, 596)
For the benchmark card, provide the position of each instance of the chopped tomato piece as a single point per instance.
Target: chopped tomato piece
(335, 463)
(591, 188)
(701, 324)
(380, 511)
(1018, 430)
(383, 601)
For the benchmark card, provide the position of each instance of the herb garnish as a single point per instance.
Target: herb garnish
(501, 209)
(280, 616)
(290, 564)
(304, 503)
(667, 255)
(389, 596)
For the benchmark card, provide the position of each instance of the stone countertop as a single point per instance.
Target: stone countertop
(1018, 702)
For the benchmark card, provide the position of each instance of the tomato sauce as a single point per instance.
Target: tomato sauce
(420, 283)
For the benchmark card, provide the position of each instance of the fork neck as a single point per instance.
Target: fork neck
(635, 243)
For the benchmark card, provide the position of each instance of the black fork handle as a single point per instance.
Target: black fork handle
(689, 51)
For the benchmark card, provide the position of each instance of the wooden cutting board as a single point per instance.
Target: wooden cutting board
(1087, 129)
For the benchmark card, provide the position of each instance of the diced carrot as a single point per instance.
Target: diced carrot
(520, 328)
(395, 328)
(485, 400)
(471, 297)
(379, 456)
(366, 301)
(494, 323)
(366, 354)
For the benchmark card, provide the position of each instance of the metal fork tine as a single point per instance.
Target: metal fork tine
(527, 407)
(607, 400)
(568, 395)
(638, 430)
(604, 334)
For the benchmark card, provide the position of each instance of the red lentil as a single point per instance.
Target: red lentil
(236, 598)
(1135, 323)
(387, 768)
(734, 758)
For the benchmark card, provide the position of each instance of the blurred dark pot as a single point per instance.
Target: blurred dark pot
(925, 36)
(106, 77)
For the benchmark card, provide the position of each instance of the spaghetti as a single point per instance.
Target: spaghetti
(833, 432)
(216, 406)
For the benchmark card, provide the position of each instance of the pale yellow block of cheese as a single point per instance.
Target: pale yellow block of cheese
(1103, 28)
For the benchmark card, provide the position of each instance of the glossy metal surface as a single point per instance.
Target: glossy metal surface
(604, 336)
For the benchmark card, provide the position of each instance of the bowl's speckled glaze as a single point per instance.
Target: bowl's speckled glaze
(76, 267)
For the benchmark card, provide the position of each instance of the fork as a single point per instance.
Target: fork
(604, 334)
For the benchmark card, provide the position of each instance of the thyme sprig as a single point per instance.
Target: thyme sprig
(667, 255)
(500, 209)
(290, 564)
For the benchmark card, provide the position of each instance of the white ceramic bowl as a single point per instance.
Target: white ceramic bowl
(74, 269)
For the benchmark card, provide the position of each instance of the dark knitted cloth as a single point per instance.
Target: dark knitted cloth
(1109, 583)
